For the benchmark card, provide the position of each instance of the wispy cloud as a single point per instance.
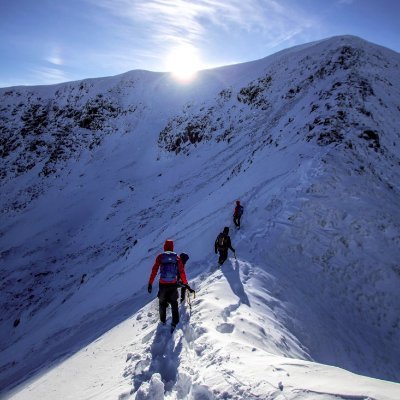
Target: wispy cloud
(54, 57)
(48, 75)
(37, 76)
(167, 23)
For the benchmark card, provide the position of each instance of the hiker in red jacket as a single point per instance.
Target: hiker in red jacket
(237, 214)
(171, 268)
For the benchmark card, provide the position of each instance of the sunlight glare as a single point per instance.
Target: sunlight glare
(183, 62)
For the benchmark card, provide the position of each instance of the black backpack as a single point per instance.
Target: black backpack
(222, 241)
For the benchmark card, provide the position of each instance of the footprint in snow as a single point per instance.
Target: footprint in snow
(227, 311)
(246, 270)
(132, 356)
(147, 337)
(225, 328)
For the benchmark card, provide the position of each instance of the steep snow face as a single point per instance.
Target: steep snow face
(95, 175)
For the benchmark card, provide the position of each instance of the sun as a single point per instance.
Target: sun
(183, 62)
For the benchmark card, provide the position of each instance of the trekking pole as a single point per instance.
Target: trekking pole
(189, 301)
(189, 304)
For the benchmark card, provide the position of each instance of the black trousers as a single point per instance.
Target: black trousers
(223, 255)
(168, 294)
(236, 221)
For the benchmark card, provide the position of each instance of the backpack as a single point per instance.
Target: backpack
(222, 241)
(169, 267)
(184, 257)
(239, 211)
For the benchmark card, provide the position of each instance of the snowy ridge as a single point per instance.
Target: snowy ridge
(97, 174)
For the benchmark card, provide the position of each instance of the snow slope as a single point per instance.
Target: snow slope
(96, 174)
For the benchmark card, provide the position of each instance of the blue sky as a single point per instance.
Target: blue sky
(50, 41)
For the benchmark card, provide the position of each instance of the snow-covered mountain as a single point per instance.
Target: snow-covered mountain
(96, 174)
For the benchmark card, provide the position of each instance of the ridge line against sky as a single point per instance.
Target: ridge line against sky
(52, 41)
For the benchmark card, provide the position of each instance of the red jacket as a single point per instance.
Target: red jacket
(156, 267)
(238, 206)
(168, 246)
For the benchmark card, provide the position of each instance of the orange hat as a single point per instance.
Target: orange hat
(169, 245)
(238, 202)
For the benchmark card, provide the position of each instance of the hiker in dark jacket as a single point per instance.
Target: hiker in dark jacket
(184, 257)
(222, 244)
(237, 214)
(170, 266)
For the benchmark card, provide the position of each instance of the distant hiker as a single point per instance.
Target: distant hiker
(184, 257)
(222, 244)
(237, 214)
(170, 266)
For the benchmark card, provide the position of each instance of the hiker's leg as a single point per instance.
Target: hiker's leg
(175, 312)
(163, 310)
(162, 303)
(223, 255)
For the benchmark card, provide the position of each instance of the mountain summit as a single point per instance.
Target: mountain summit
(97, 174)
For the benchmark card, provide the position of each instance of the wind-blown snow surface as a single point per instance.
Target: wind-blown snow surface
(96, 174)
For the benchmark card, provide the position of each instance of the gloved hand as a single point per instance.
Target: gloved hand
(149, 288)
(189, 288)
